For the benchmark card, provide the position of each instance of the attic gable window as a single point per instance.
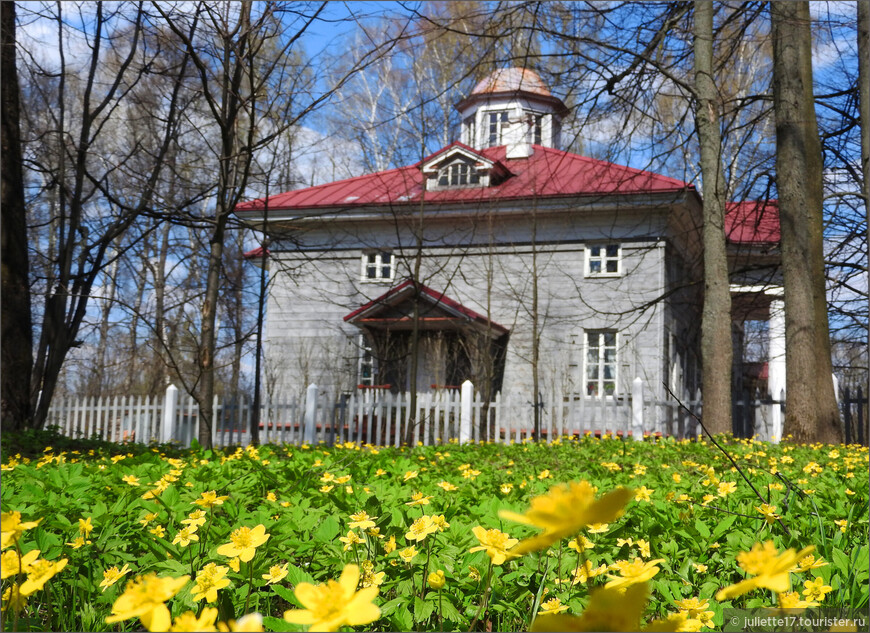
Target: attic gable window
(458, 174)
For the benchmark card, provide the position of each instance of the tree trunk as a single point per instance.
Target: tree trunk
(864, 109)
(716, 349)
(15, 315)
(811, 411)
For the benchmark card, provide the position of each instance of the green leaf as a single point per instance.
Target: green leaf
(296, 575)
(327, 531)
(422, 609)
(280, 624)
(448, 611)
(840, 560)
(401, 620)
(286, 593)
(702, 528)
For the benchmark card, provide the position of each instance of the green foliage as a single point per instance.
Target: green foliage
(304, 497)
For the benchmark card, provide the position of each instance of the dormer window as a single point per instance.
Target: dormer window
(458, 174)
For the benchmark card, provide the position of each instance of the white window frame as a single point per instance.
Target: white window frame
(502, 121)
(602, 258)
(600, 381)
(457, 171)
(379, 266)
(366, 359)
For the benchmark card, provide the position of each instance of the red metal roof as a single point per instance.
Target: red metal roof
(752, 222)
(547, 172)
(399, 293)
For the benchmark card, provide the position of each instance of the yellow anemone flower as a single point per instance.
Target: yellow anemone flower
(331, 605)
(12, 527)
(244, 542)
(608, 610)
(113, 575)
(421, 528)
(209, 579)
(769, 569)
(632, 573)
(188, 621)
(564, 511)
(39, 573)
(496, 544)
(276, 573)
(144, 598)
(11, 565)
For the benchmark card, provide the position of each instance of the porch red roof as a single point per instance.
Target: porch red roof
(547, 172)
(752, 222)
(397, 294)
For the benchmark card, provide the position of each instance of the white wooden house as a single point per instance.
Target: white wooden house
(505, 253)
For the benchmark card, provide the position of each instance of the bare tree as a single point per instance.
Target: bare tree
(812, 413)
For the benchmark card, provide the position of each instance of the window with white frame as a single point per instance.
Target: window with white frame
(470, 130)
(603, 260)
(538, 129)
(498, 121)
(458, 174)
(366, 366)
(600, 372)
(377, 266)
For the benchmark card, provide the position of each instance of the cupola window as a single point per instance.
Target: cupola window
(498, 121)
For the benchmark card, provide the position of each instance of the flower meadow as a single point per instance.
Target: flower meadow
(580, 534)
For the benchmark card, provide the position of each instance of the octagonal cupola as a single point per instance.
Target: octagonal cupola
(511, 107)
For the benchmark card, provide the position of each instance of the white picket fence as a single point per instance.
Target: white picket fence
(376, 417)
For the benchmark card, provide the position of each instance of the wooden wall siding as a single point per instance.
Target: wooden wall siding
(308, 341)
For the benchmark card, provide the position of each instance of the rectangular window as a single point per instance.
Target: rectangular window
(603, 260)
(538, 129)
(469, 131)
(377, 266)
(497, 124)
(601, 363)
(366, 362)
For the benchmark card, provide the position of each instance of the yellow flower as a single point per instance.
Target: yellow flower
(580, 543)
(13, 598)
(440, 522)
(234, 564)
(11, 528)
(408, 554)
(842, 524)
(197, 518)
(210, 499)
(624, 541)
(326, 488)
(495, 542)
(585, 572)
(643, 494)
(188, 621)
(144, 597)
(643, 547)
(809, 562)
(608, 610)
(598, 528)
(350, 540)
(411, 474)
(677, 478)
(390, 545)
(632, 573)
(418, 499)
(148, 518)
(362, 520)
(276, 573)
(544, 474)
(792, 600)
(564, 511)
(39, 573)
(506, 488)
(707, 499)
(334, 604)
(446, 485)
(421, 528)
(436, 579)
(551, 606)
(209, 579)
(380, 472)
(113, 575)
(244, 542)
(158, 530)
(78, 542)
(11, 565)
(769, 512)
(131, 480)
(768, 568)
(726, 488)
(473, 573)
(816, 589)
(699, 567)
(270, 496)
(186, 535)
(696, 609)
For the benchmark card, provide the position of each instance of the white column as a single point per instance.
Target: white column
(637, 409)
(776, 364)
(170, 403)
(308, 431)
(466, 396)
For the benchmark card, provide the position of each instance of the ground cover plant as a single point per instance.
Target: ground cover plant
(581, 534)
